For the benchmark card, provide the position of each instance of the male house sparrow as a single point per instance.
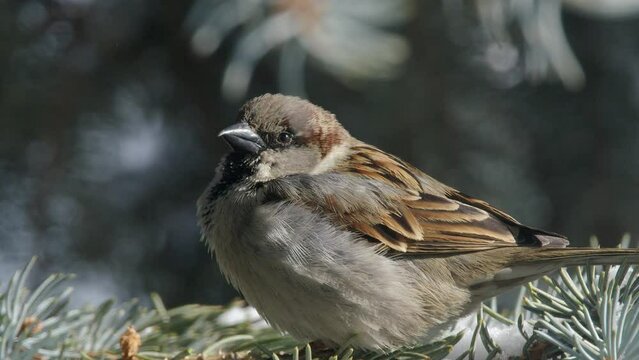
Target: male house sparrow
(332, 239)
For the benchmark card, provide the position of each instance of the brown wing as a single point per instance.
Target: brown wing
(428, 217)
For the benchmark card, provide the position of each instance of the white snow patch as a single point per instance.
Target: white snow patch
(507, 337)
(242, 314)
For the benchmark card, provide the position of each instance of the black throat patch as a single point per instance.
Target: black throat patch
(236, 168)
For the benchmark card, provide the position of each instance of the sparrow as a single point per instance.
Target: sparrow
(335, 240)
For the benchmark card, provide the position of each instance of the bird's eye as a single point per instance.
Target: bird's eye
(285, 138)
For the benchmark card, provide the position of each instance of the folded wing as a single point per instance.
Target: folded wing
(390, 202)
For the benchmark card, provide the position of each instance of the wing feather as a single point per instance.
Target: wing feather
(390, 202)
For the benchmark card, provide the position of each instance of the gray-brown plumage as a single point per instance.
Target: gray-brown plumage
(330, 238)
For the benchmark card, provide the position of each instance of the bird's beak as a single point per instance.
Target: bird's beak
(242, 138)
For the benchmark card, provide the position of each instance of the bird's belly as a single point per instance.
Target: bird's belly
(314, 281)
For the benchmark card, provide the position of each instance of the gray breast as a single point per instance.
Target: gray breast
(313, 279)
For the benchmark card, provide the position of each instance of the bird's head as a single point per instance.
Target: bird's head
(279, 135)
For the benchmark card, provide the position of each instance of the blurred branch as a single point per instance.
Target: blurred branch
(611, 9)
(348, 38)
(545, 46)
(546, 49)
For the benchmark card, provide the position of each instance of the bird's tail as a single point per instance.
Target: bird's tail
(583, 256)
(523, 264)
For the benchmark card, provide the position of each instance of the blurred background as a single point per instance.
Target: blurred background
(109, 112)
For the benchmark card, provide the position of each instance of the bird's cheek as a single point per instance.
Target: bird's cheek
(274, 164)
